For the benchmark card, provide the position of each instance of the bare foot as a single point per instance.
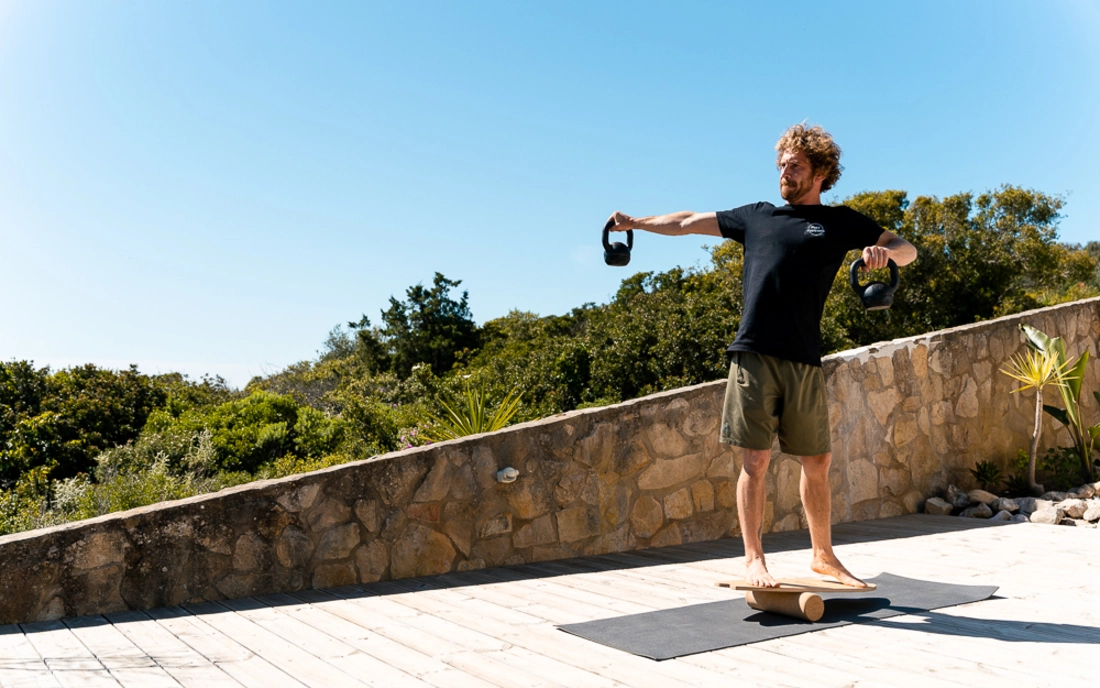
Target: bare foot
(756, 573)
(833, 567)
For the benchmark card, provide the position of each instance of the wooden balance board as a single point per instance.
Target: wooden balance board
(795, 597)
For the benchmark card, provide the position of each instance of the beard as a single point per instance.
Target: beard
(791, 191)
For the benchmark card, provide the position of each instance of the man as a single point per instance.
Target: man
(792, 254)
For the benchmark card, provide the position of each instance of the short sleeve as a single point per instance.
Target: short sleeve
(864, 231)
(733, 223)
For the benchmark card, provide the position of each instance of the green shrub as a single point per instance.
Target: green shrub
(988, 474)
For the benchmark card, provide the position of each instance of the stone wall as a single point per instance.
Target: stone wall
(909, 416)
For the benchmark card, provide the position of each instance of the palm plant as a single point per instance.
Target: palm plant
(1035, 369)
(472, 414)
(1069, 386)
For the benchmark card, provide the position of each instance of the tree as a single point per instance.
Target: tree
(65, 419)
(979, 258)
(430, 327)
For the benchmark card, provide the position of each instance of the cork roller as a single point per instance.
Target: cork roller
(807, 605)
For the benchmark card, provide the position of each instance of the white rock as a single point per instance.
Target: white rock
(937, 506)
(1083, 492)
(1005, 504)
(979, 511)
(1030, 504)
(1074, 508)
(1092, 514)
(1049, 515)
(957, 498)
(981, 497)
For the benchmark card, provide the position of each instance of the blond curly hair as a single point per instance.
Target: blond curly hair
(819, 147)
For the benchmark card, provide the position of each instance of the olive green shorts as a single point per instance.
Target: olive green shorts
(766, 396)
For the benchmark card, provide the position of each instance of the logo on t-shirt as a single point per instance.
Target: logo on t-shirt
(815, 230)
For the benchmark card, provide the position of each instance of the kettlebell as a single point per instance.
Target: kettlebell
(616, 253)
(876, 296)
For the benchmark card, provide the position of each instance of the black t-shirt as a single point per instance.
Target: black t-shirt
(792, 254)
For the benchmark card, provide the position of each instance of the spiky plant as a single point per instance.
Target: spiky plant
(472, 414)
(1035, 369)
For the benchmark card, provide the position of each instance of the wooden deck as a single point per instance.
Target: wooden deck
(497, 627)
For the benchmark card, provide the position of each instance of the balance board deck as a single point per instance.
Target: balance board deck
(793, 585)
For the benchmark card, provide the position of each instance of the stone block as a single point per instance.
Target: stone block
(437, 483)
(250, 553)
(702, 495)
(595, 450)
(1005, 504)
(371, 560)
(1092, 514)
(334, 575)
(1048, 516)
(862, 481)
(979, 511)
(328, 514)
(967, 405)
(529, 497)
(495, 526)
(471, 564)
(97, 550)
(428, 512)
(577, 524)
(938, 507)
(788, 522)
(421, 552)
(646, 518)
(666, 473)
(367, 512)
(678, 504)
(338, 542)
(669, 536)
(981, 497)
(293, 548)
(538, 532)
(1073, 508)
(667, 442)
(299, 498)
(463, 486)
(905, 429)
(726, 495)
(786, 485)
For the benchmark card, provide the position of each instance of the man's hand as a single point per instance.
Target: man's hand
(622, 221)
(875, 257)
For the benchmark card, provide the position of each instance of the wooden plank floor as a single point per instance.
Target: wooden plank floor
(496, 627)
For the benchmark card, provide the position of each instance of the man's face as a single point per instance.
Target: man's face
(796, 177)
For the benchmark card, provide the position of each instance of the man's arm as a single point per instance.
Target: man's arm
(889, 247)
(673, 224)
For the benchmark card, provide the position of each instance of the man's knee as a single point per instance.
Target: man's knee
(754, 462)
(817, 467)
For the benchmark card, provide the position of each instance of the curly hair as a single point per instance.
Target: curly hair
(819, 147)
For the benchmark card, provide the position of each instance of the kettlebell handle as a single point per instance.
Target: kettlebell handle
(607, 236)
(853, 275)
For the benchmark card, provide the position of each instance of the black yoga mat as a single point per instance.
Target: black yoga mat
(671, 633)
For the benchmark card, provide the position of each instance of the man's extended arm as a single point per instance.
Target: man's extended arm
(673, 224)
(889, 247)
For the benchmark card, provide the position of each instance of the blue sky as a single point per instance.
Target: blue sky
(210, 186)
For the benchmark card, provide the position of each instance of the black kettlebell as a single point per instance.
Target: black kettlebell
(876, 296)
(616, 253)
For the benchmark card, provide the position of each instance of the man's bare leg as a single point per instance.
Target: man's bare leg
(817, 500)
(751, 495)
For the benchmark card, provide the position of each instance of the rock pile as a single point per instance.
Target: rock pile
(1077, 507)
